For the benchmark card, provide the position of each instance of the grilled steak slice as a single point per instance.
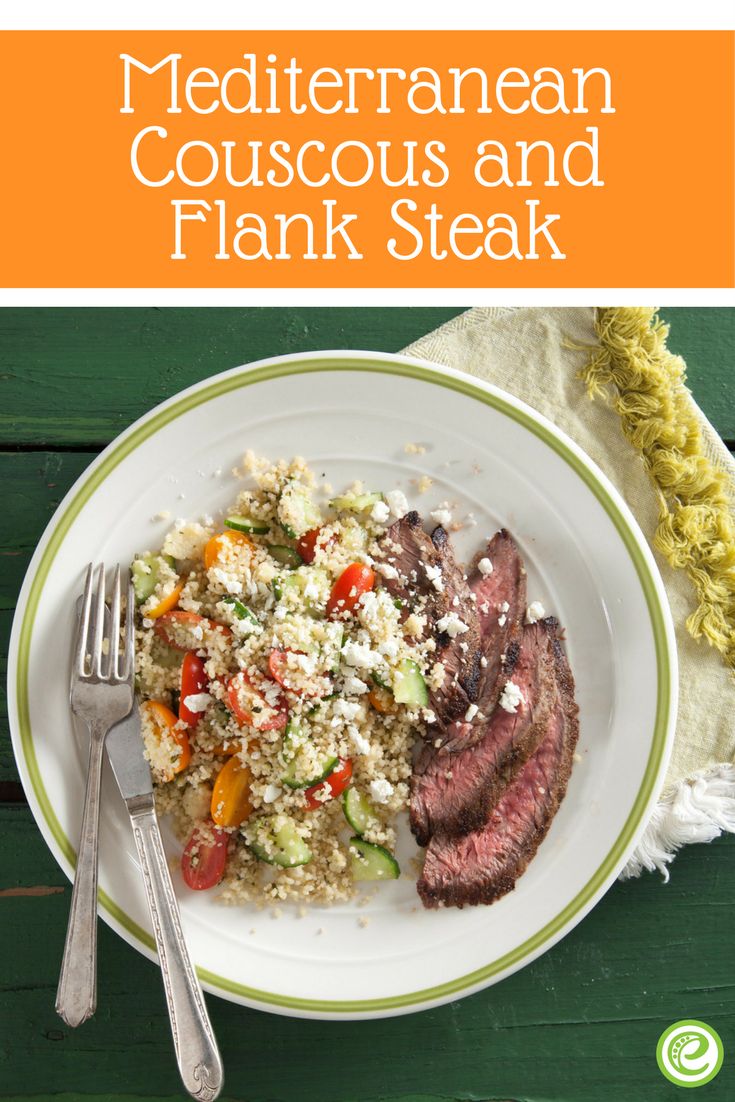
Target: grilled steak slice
(432, 582)
(485, 864)
(501, 609)
(500, 626)
(454, 792)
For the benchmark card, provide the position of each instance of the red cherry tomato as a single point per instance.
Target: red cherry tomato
(179, 629)
(193, 680)
(295, 679)
(334, 785)
(250, 706)
(354, 580)
(308, 543)
(204, 858)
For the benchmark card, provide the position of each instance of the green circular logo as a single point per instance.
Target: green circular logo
(689, 1053)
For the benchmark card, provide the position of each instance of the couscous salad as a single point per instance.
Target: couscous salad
(282, 687)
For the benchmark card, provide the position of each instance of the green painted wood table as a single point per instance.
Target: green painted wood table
(581, 1023)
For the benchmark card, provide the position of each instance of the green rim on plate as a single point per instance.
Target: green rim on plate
(249, 377)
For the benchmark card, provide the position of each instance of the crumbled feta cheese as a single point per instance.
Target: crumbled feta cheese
(232, 584)
(358, 740)
(505, 607)
(511, 697)
(389, 648)
(502, 620)
(483, 661)
(386, 570)
(197, 702)
(348, 709)
(535, 612)
(397, 503)
(359, 655)
(380, 512)
(485, 567)
(271, 793)
(452, 625)
(471, 712)
(354, 685)
(429, 716)
(381, 790)
(442, 515)
(434, 574)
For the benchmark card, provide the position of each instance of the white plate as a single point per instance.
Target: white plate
(351, 414)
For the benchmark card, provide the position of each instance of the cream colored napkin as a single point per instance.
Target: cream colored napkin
(527, 352)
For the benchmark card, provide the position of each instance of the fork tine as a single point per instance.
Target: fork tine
(98, 628)
(115, 624)
(128, 670)
(80, 646)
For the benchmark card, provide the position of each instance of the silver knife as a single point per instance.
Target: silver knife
(200, 1065)
(197, 1055)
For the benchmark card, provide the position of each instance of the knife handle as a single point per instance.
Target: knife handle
(200, 1065)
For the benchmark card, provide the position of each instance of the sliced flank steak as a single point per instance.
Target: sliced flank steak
(431, 581)
(454, 792)
(500, 599)
(485, 864)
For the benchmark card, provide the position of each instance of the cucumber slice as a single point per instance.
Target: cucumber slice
(286, 556)
(297, 583)
(293, 776)
(332, 645)
(409, 686)
(355, 503)
(371, 862)
(359, 812)
(297, 513)
(379, 681)
(146, 574)
(240, 610)
(277, 842)
(239, 523)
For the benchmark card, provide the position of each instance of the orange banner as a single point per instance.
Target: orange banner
(374, 159)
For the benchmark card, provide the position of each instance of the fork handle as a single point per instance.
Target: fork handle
(200, 1065)
(76, 996)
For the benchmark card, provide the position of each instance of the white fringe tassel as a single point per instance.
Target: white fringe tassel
(696, 810)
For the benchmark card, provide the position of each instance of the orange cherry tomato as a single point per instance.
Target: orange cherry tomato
(382, 701)
(204, 858)
(250, 706)
(308, 543)
(193, 680)
(227, 749)
(354, 580)
(168, 602)
(216, 545)
(165, 725)
(231, 804)
(334, 785)
(179, 630)
(294, 679)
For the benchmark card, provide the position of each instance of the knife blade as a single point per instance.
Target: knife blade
(124, 746)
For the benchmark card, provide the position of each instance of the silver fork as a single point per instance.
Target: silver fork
(101, 695)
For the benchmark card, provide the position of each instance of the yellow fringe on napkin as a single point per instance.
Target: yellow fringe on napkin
(696, 531)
